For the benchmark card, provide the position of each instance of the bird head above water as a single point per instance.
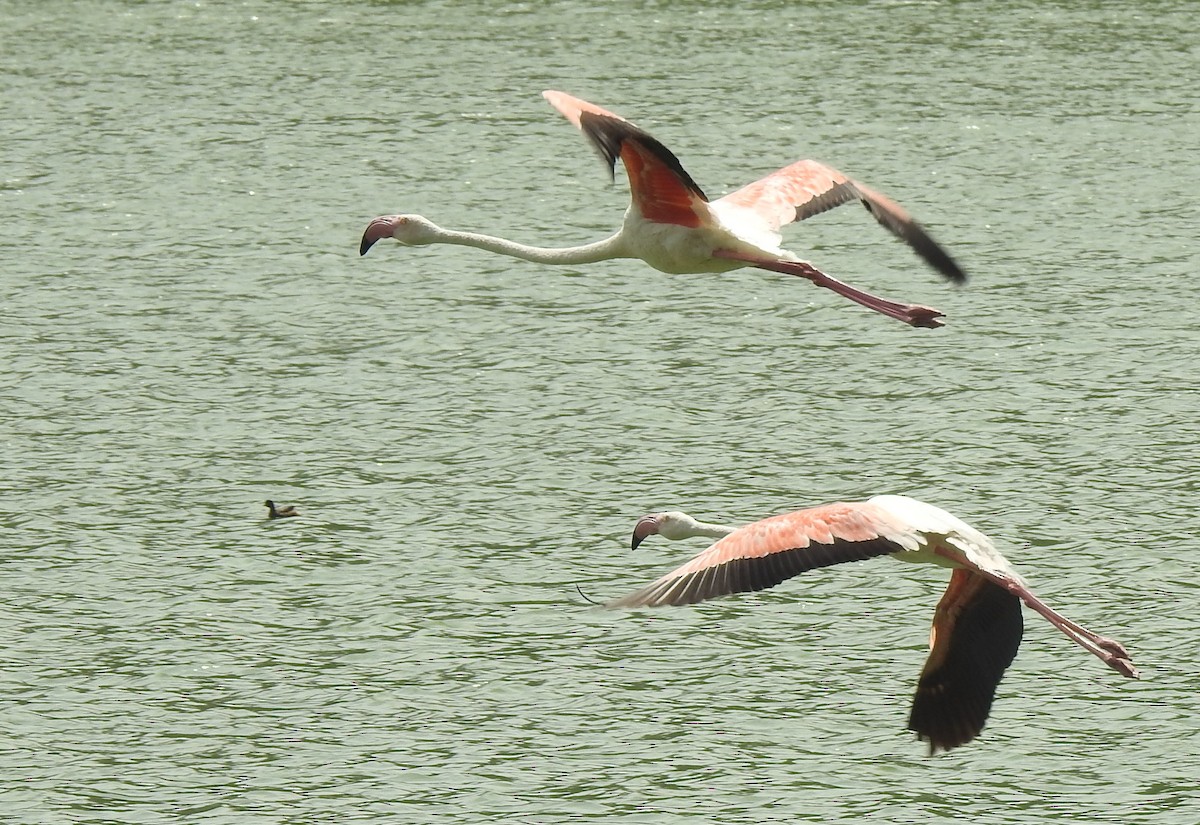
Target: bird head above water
(283, 511)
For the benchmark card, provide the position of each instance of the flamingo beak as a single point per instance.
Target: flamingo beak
(377, 230)
(647, 526)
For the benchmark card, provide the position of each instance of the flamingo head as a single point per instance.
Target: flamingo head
(671, 525)
(410, 230)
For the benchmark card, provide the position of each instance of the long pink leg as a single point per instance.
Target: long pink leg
(913, 314)
(1109, 651)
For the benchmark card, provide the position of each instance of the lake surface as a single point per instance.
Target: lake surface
(189, 330)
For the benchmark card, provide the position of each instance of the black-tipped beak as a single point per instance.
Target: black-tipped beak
(647, 526)
(377, 230)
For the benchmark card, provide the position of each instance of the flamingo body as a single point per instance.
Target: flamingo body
(672, 226)
(977, 625)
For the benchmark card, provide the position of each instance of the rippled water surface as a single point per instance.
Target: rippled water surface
(188, 330)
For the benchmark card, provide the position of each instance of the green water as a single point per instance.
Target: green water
(186, 329)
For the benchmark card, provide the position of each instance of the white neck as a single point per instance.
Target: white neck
(604, 250)
(715, 531)
(683, 526)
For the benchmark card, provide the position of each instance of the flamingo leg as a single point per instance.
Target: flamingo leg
(1110, 651)
(912, 314)
(1107, 650)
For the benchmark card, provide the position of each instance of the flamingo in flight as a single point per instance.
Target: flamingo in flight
(673, 226)
(977, 625)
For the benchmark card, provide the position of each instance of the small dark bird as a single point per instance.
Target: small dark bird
(280, 512)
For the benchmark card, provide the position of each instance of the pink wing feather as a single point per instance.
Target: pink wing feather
(807, 188)
(572, 107)
(765, 553)
(661, 188)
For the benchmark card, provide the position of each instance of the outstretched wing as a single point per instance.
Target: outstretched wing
(976, 632)
(765, 553)
(662, 190)
(807, 188)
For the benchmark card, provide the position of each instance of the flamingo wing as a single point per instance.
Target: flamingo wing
(976, 632)
(807, 188)
(765, 553)
(661, 188)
